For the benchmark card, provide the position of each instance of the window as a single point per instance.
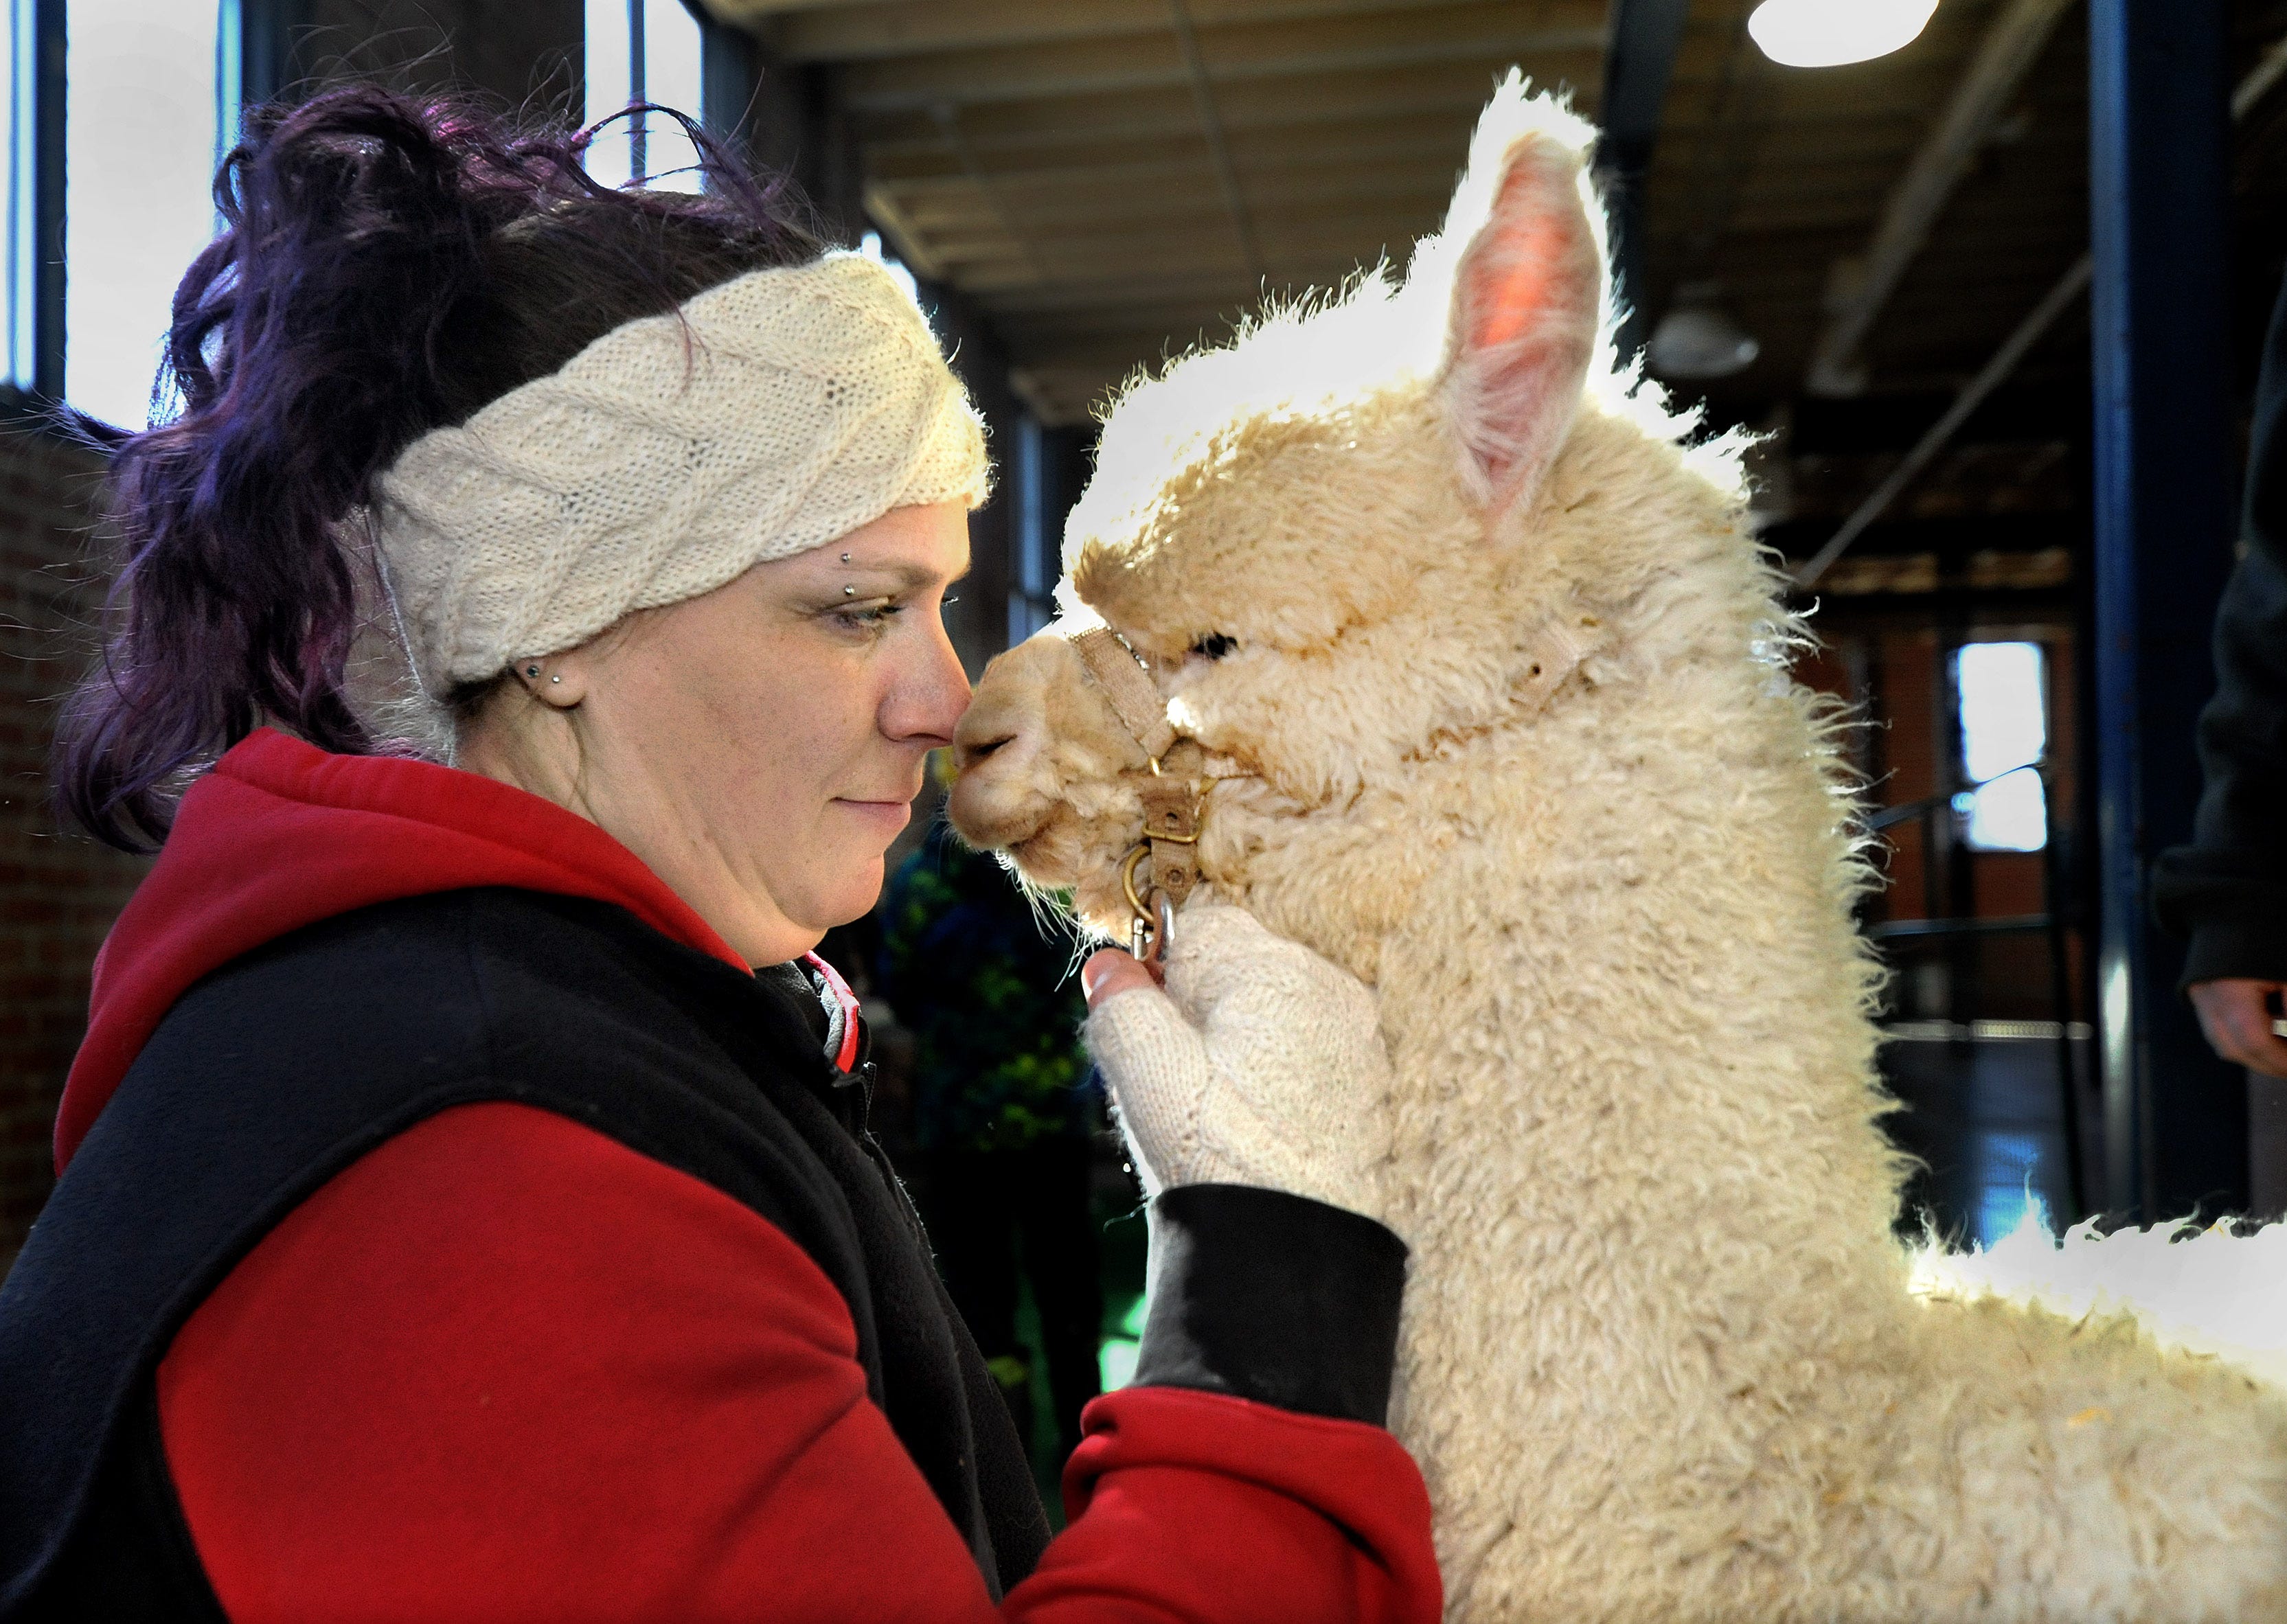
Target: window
(2004, 733)
(644, 51)
(140, 124)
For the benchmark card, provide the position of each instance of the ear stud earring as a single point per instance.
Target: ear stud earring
(845, 558)
(556, 679)
(531, 671)
(849, 592)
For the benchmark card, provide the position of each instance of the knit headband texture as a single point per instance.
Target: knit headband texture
(771, 415)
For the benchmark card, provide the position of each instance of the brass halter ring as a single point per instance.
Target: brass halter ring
(1127, 881)
(1144, 942)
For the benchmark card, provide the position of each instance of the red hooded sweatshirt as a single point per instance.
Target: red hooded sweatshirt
(502, 1366)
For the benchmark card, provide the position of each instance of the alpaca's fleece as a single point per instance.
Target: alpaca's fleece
(1507, 683)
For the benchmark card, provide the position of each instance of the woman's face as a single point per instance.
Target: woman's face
(760, 746)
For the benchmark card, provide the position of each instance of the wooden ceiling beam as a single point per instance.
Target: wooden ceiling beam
(920, 28)
(1115, 280)
(1114, 354)
(1135, 197)
(1479, 31)
(1220, 288)
(1779, 144)
(1863, 176)
(1360, 244)
(1123, 342)
(1439, 136)
(1363, 234)
(1436, 140)
(1295, 257)
(763, 13)
(1350, 98)
(1119, 350)
(1781, 215)
(1866, 282)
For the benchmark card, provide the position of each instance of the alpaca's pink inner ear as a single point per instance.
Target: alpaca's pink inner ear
(1526, 254)
(1525, 320)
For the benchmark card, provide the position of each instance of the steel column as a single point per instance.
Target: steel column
(264, 33)
(51, 44)
(2174, 1117)
(1639, 60)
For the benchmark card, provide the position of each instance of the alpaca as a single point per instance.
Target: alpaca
(1491, 687)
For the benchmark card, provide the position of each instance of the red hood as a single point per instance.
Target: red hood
(280, 835)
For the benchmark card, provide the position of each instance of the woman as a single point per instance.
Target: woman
(465, 1210)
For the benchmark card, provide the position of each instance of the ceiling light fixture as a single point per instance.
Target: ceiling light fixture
(1829, 33)
(1696, 340)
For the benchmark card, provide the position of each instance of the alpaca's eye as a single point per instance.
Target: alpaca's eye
(1215, 645)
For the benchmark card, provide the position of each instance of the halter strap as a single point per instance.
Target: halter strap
(1118, 671)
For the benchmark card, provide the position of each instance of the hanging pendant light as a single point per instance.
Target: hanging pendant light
(1829, 33)
(1698, 340)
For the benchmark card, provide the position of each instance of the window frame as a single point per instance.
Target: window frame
(34, 280)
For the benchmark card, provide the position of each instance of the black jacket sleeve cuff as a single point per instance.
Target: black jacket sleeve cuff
(2240, 949)
(1274, 1297)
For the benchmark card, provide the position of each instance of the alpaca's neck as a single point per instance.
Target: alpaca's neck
(1637, 900)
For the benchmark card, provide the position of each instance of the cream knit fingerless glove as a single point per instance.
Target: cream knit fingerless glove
(1261, 1064)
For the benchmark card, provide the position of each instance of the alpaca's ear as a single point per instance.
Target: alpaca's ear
(1525, 306)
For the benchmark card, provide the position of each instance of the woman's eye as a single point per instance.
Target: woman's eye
(870, 617)
(1215, 645)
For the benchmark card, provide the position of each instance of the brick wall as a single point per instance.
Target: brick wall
(57, 893)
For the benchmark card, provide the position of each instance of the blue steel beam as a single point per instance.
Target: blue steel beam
(50, 48)
(1639, 60)
(2174, 1117)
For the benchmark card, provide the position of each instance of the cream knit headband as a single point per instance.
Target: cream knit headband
(769, 415)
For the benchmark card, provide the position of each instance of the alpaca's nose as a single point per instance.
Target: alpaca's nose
(984, 729)
(991, 804)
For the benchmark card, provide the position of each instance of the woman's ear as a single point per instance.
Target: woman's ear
(1526, 301)
(559, 681)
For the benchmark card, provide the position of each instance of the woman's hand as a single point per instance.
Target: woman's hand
(1261, 1063)
(2238, 1016)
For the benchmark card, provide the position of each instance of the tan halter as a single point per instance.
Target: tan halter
(1175, 800)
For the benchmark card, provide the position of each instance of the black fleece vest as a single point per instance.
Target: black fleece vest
(279, 1070)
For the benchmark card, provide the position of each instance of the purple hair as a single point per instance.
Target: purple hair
(387, 266)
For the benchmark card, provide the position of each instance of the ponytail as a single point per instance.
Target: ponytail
(386, 267)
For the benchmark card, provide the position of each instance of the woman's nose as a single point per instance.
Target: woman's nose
(927, 704)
